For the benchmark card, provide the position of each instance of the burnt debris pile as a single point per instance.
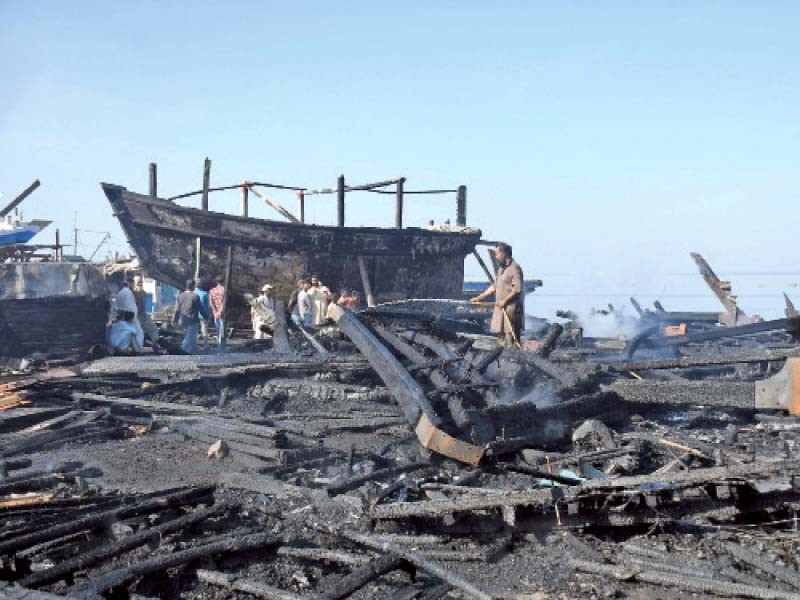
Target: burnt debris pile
(399, 453)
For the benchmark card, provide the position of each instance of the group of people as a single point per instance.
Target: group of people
(194, 308)
(311, 302)
(132, 324)
(309, 306)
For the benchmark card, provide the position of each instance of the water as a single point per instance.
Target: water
(759, 293)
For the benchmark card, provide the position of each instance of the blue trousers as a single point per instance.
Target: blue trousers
(189, 344)
(220, 325)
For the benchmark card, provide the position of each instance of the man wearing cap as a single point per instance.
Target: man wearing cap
(509, 314)
(263, 313)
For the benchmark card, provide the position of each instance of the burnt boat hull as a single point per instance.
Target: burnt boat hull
(401, 263)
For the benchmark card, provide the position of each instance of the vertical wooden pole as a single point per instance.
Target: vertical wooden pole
(398, 212)
(206, 180)
(228, 269)
(153, 180)
(197, 249)
(340, 200)
(301, 206)
(245, 192)
(461, 206)
(58, 246)
(362, 266)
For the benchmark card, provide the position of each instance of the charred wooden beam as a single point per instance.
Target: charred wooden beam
(365, 281)
(398, 213)
(280, 337)
(102, 553)
(123, 575)
(790, 324)
(548, 343)
(457, 410)
(206, 181)
(153, 180)
(347, 585)
(421, 562)
(721, 289)
(100, 519)
(248, 585)
(736, 394)
(340, 201)
(406, 391)
(270, 202)
(461, 206)
(765, 355)
(245, 206)
(685, 582)
(356, 482)
(410, 396)
(18, 200)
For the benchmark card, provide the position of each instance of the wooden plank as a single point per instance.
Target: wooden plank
(362, 267)
(289, 216)
(18, 200)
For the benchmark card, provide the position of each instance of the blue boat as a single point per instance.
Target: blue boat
(15, 231)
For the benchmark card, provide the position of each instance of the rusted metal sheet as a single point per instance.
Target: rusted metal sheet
(445, 444)
(781, 391)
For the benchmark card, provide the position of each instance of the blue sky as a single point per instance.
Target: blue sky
(601, 139)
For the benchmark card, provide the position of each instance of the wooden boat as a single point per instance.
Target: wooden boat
(400, 262)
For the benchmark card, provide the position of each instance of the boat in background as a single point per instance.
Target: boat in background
(13, 230)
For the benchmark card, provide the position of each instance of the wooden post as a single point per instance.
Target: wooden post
(245, 191)
(228, 269)
(197, 250)
(58, 246)
(206, 180)
(484, 267)
(398, 213)
(362, 266)
(16, 201)
(301, 206)
(340, 200)
(493, 258)
(153, 180)
(461, 206)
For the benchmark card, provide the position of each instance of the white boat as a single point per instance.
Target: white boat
(13, 230)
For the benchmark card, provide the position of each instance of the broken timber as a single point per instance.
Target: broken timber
(779, 392)
(412, 399)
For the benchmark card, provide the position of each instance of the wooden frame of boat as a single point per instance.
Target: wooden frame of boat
(175, 243)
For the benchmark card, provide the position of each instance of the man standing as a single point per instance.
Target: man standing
(305, 305)
(293, 307)
(216, 297)
(263, 313)
(145, 322)
(509, 314)
(202, 293)
(188, 309)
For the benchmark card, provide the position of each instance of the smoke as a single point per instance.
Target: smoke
(606, 324)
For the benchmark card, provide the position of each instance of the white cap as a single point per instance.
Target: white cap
(266, 287)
